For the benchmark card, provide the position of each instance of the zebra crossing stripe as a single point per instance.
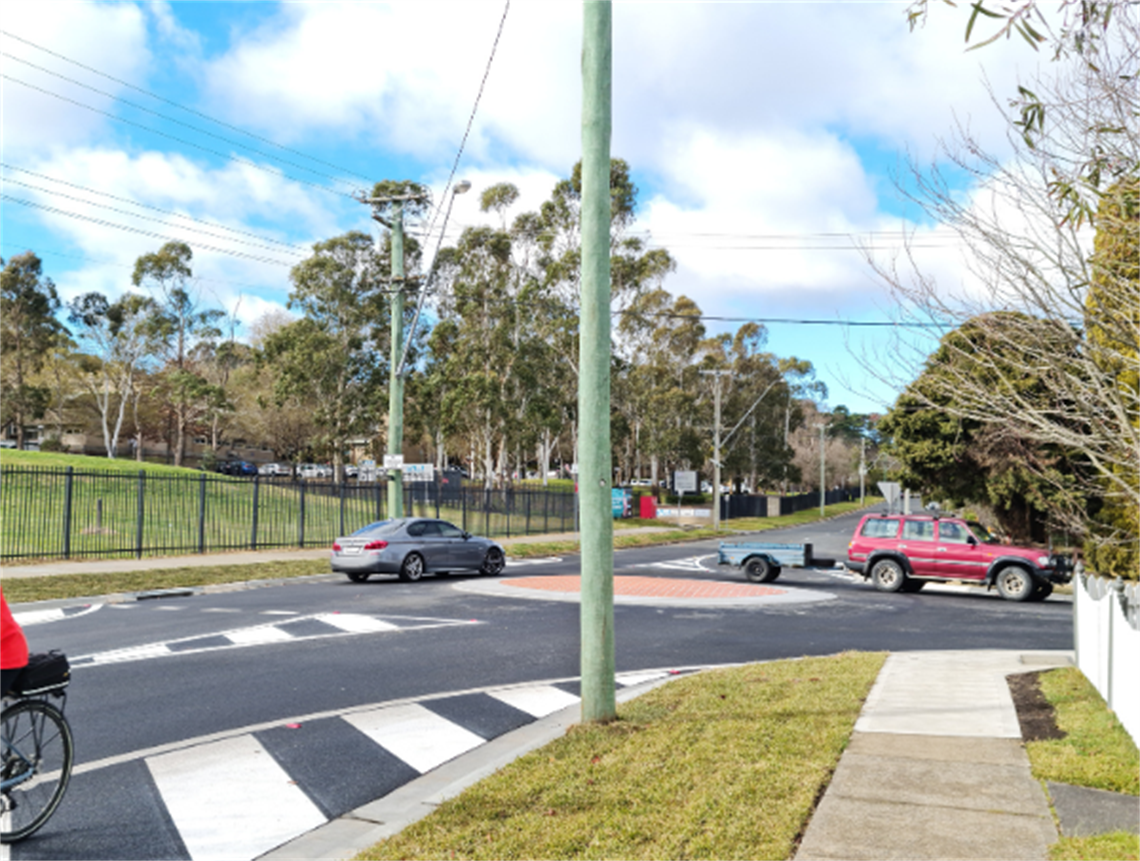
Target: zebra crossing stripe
(418, 736)
(539, 701)
(231, 800)
(354, 623)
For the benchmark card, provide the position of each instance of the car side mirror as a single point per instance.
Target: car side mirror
(466, 535)
(971, 540)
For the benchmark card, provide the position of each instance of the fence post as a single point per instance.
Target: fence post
(67, 512)
(529, 494)
(202, 513)
(379, 510)
(463, 496)
(301, 519)
(253, 528)
(342, 486)
(141, 515)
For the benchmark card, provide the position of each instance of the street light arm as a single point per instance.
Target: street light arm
(460, 188)
(724, 442)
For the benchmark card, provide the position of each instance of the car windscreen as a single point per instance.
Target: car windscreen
(384, 527)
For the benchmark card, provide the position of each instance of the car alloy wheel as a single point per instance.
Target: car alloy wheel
(493, 562)
(413, 567)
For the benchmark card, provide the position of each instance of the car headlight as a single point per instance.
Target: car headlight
(1044, 562)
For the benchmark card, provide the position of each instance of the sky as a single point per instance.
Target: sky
(767, 140)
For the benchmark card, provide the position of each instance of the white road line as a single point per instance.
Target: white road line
(256, 636)
(135, 653)
(629, 679)
(279, 613)
(419, 737)
(37, 617)
(544, 560)
(354, 623)
(539, 701)
(230, 799)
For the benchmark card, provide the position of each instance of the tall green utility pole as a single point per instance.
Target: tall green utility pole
(395, 379)
(395, 224)
(595, 465)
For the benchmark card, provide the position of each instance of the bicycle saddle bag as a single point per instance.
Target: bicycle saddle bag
(46, 672)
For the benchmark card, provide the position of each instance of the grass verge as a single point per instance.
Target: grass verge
(1117, 846)
(1097, 752)
(19, 590)
(725, 764)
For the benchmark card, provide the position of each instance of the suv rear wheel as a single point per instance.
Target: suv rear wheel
(887, 575)
(1015, 583)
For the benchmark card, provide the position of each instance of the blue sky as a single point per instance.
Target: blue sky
(765, 138)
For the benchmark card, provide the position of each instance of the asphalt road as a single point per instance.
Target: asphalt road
(281, 664)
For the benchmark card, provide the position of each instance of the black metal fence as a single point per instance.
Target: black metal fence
(68, 513)
(762, 506)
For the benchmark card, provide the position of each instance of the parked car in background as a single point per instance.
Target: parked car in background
(351, 470)
(412, 547)
(902, 553)
(275, 469)
(238, 467)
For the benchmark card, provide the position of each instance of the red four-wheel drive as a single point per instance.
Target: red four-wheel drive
(904, 552)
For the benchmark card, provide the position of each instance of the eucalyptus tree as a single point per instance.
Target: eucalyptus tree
(117, 340)
(753, 410)
(178, 323)
(28, 328)
(334, 355)
(663, 343)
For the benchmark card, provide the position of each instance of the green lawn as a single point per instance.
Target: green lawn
(724, 764)
(107, 496)
(1096, 752)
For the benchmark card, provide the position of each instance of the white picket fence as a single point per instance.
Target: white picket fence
(1106, 635)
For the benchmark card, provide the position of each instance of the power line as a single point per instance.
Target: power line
(277, 173)
(291, 246)
(471, 118)
(180, 106)
(141, 232)
(176, 122)
(783, 321)
(291, 250)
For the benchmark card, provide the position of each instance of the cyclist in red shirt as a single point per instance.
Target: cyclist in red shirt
(13, 648)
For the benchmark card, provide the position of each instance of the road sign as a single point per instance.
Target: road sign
(685, 481)
(393, 461)
(891, 491)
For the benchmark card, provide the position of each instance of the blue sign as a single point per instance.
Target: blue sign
(620, 499)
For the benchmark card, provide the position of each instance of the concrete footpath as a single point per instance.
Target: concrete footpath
(935, 770)
(936, 767)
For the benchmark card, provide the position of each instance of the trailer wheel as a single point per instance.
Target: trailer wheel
(760, 570)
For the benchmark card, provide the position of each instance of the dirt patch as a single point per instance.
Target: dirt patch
(1034, 712)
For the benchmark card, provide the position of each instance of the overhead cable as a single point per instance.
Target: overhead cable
(180, 106)
(137, 230)
(290, 249)
(277, 173)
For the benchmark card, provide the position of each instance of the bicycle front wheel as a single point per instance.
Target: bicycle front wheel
(38, 752)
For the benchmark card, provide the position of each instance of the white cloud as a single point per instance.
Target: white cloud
(111, 38)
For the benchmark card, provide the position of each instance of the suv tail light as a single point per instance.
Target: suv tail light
(375, 545)
(337, 548)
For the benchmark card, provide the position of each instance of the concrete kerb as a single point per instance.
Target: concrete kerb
(355, 831)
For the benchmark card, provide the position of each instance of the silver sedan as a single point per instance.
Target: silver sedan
(412, 547)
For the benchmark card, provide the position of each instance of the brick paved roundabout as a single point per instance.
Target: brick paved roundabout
(648, 591)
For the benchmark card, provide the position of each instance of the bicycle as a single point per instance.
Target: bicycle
(38, 752)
